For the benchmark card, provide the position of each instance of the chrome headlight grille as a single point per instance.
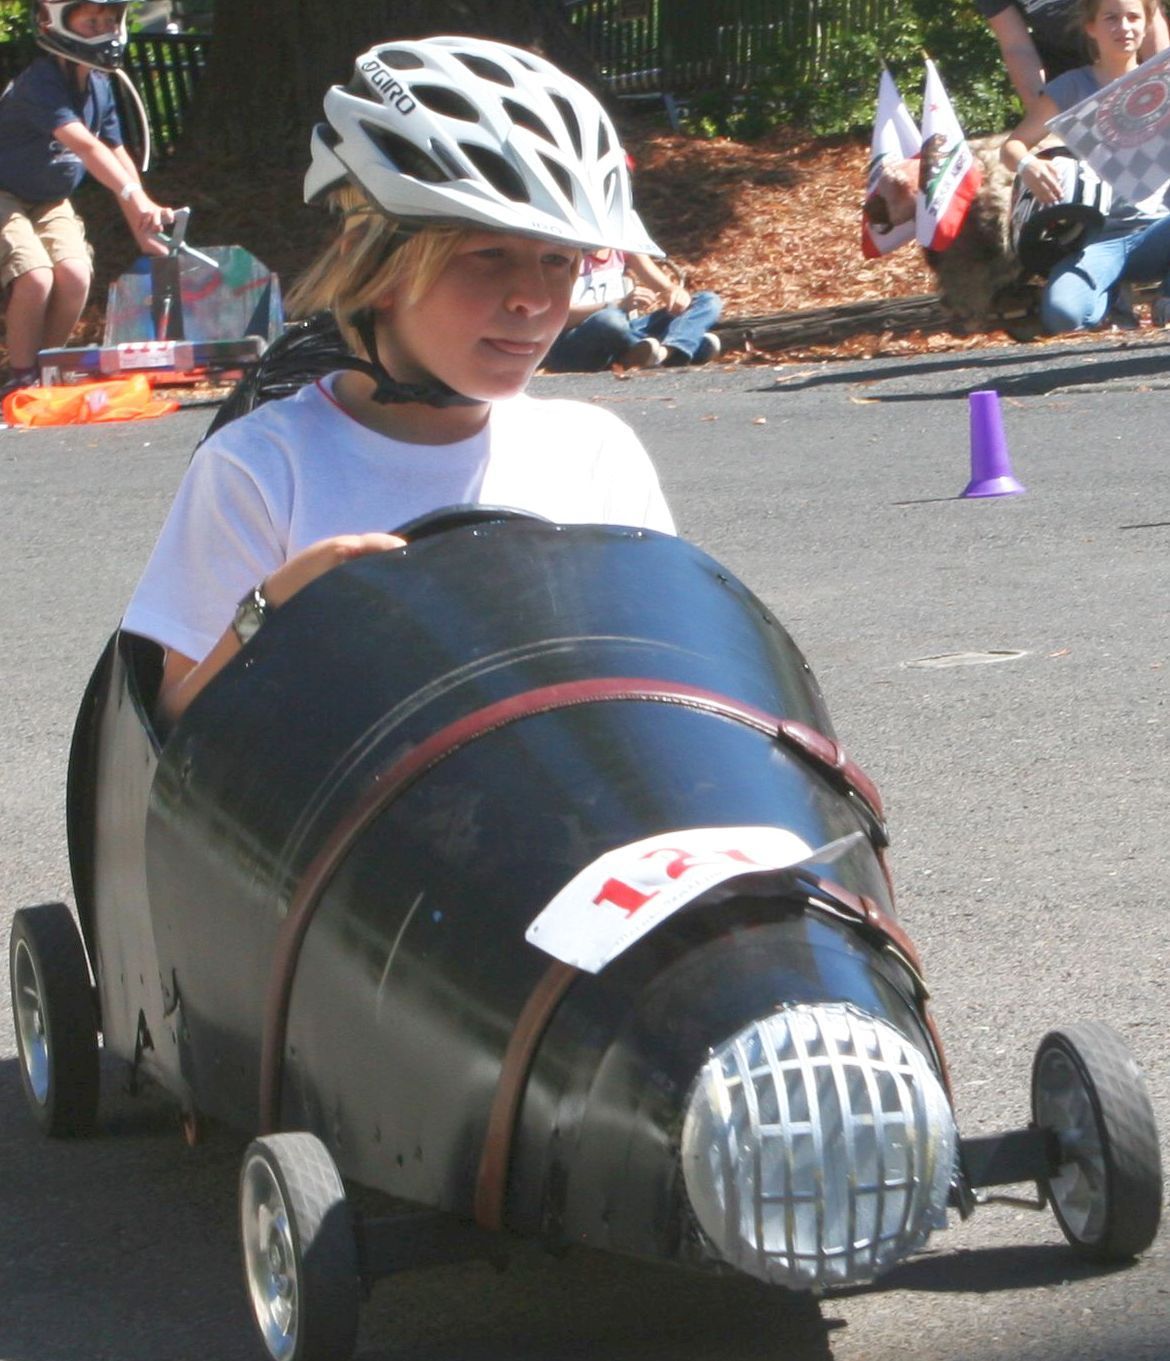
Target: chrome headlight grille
(818, 1147)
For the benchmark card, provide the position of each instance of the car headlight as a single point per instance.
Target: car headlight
(818, 1147)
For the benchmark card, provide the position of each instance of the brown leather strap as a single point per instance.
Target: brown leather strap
(876, 918)
(830, 756)
(492, 1182)
(870, 913)
(385, 786)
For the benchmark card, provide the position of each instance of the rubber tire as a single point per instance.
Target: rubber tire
(1125, 1126)
(46, 936)
(324, 1245)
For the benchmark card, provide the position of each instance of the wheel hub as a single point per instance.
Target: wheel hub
(269, 1260)
(30, 1024)
(1063, 1104)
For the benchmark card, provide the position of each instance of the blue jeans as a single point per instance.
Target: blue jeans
(603, 337)
(1082, 287)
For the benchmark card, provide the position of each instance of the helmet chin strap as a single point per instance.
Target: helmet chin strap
(387, 389)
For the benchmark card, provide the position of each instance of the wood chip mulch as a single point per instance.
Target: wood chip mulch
(773, 226)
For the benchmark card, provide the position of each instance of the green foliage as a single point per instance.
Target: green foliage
(15, 20)
(719, 113)
(840, 99)
(830, 91)
(16, 17)
(830, 85)
(960, 44)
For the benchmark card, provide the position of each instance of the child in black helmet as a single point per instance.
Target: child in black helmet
(58, 121)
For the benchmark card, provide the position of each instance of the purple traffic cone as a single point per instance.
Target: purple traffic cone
(991, 468)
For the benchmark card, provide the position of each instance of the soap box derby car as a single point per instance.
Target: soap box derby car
(518, 874)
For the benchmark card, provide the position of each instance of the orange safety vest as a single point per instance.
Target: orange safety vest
(119, 399)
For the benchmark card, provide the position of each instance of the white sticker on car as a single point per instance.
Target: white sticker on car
(626, 892)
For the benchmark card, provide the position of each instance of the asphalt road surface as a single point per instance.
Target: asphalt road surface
(999, 666)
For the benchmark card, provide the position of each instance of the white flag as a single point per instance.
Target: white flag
(895, 141)
(1123, 130)
(951, 175)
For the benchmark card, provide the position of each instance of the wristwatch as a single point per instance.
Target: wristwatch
(250, 614)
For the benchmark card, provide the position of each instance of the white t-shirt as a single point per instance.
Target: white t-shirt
(602, 278)
(301, 469)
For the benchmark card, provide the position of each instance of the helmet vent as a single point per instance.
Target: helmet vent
(399, 59)
(603, 142)
(560, 176)
(498, 173)
(485, 69)
(359, 87)
(404, 156)
(525, 118)
(565, 109)
(611, 188)
(454, 170)
(449, 103)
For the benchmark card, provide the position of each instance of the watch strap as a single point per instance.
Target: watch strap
(250, 614)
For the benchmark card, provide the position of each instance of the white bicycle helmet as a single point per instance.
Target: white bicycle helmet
(106, 52)
(479, 133)
(1043, 234)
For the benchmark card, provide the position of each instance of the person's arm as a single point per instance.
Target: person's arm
(578, 311)
(1020, 58)
(112, 166)
(1040, 176)
(637, 301)
(183, 678)
(669, 293)
(1157, 37)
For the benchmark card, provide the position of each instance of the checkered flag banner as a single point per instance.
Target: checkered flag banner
(1123, 131)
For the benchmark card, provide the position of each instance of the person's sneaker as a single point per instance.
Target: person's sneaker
(646, 354)
(707, 349)
(19, 378)
(1160, 312)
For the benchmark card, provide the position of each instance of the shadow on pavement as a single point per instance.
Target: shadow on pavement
(984, 1271)
(123, 1248)
(1041, 373)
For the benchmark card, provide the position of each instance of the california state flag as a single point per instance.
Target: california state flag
(950, 176)
(895, 139)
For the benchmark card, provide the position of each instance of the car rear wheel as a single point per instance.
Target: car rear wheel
(56, 1021)
(1107, 1192)
(300, 1249)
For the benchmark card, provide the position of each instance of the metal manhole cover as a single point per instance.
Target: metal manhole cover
(967, 658)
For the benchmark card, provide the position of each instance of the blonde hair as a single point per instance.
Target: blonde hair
(368, 257)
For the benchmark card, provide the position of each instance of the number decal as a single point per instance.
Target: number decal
(625, 893)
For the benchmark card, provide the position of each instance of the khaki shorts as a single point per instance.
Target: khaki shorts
(38, 235)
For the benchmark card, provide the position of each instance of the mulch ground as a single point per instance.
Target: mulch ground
(772, 226)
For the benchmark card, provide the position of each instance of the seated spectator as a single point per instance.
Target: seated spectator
(627, 310)
(59, 122)
(1133, 244)
(1041, 39)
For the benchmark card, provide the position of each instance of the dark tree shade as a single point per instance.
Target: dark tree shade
(271, 63)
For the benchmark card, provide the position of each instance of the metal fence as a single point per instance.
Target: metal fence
(165, 69)
(691, 46)
(677, 47)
